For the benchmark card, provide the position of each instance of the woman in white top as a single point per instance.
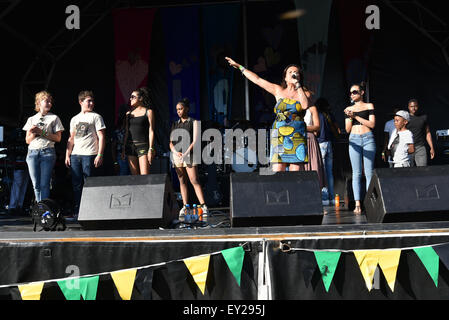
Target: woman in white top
(42, 131)
(312, 121)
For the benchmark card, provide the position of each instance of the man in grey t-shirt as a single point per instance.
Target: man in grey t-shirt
(85, 147)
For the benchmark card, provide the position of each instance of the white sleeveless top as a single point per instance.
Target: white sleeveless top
(308, 118)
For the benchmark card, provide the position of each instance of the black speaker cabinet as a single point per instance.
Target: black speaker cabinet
(408, 195)
(281, 199)
(127, 202)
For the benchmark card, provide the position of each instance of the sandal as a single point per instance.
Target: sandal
(358, 210)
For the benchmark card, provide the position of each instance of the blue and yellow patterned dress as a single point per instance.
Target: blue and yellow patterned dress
(289, 134)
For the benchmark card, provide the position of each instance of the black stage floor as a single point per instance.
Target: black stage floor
(336, 222)
(219, 219)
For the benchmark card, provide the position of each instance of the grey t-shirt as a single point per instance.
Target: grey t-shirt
(85, 126)
(50, 122)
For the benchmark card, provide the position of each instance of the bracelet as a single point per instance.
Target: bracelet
(99, 155)
(242, 69)
(44, 133)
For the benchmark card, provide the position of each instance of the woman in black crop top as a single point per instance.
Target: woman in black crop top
(360, 121)
(139, 133)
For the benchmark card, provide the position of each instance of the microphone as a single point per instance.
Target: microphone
(295, 75)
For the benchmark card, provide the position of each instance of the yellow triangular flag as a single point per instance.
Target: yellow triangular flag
(198, 267)
(31, 291)
(124, 282)
(367, 261)
(389, 262)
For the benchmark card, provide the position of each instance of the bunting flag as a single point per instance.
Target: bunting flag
(124, 282)
(388, 260)
(198, 268)
(327, 263)
(144, 283)
(234, 259)
(74, 289)
(443, 253)
(31, 291)
(141, 278)
(430, 260)
(308, 262)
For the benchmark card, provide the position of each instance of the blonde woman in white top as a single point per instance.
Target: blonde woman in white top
(43, 130)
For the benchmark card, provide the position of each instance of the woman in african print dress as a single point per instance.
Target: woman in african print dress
(289, 131)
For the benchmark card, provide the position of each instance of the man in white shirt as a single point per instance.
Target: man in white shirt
(401, 141)
(85, 147)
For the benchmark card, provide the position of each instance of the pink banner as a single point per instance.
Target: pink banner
(132, 31)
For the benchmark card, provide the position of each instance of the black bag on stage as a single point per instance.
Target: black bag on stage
(47, 214)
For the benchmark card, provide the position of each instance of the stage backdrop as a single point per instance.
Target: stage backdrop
(272, 45)
(313, 35)
(356, 39)
(182, 47)
(221, 30)
(132, 31)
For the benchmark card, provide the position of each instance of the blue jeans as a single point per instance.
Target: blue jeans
(362, 150)
(81, 168)
(328, 159)
(123, 165)
(18, 189)
(40, 165)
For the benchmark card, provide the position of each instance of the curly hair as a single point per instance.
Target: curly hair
(41, 96)
(144, 95)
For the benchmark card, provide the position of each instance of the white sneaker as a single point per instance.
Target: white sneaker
(325, 202)
(182, 214)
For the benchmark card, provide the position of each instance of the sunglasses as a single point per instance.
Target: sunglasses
(355, 92)
(41, 122)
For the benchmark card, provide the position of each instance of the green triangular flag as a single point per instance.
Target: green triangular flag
(327, 263)
(234, 259)
(74, 289)
(430, 260)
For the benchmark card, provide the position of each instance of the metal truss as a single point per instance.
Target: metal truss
(39, 73)
(426, 20)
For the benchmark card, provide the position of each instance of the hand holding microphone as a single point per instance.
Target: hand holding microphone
(295, 76)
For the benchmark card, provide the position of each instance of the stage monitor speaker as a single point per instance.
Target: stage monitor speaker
(127, 202)
(414, 194)
(281, 199)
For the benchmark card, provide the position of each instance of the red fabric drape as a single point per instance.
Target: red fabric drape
(355, 38)
(132, 32)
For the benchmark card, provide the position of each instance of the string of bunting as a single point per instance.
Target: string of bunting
(124, 280)
(368, 260)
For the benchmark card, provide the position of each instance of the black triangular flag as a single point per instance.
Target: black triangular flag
(144, 283)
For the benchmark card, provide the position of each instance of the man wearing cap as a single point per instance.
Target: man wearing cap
(419, 127)
(401, 141)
